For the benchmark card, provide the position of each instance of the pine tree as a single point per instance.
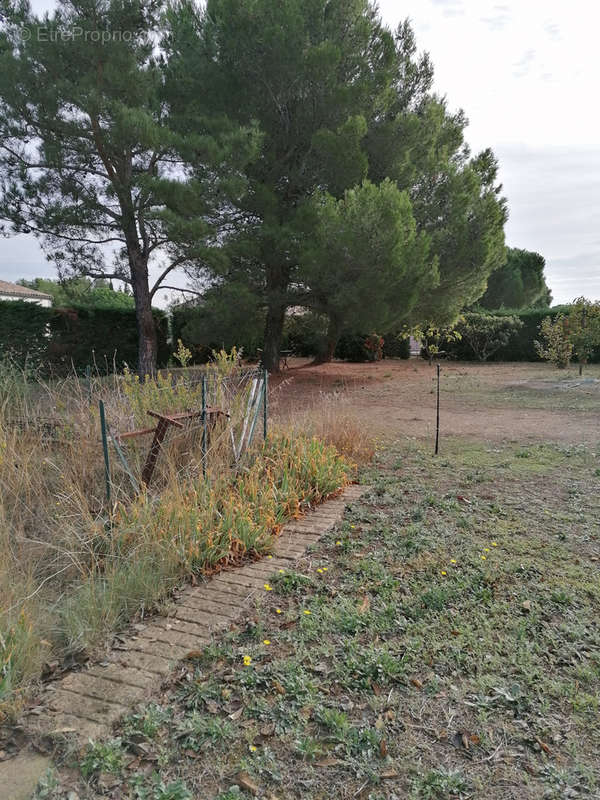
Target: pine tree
(90, 160)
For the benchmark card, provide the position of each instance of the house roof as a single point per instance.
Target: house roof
(16, 291)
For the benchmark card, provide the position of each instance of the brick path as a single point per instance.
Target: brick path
(85, 704)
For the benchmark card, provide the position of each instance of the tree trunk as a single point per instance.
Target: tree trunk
(273, 334)
(277, 284)
(147, 338)
(333, 335)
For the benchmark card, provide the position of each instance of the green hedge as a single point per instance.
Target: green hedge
(58, 340)
(521, 345)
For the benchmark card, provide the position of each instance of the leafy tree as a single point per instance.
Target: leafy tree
(555, 345)
(89, 160)
(364, 263)
(81, 292)
(486, 333)
(433, 338)
(518, 283)
(584, 329)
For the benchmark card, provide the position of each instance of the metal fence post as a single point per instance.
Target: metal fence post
(204, 426)
(265, 401)
(437, 414)
(105, 450)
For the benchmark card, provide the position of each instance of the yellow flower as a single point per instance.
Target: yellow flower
(483, 558)
(453, 561)
(278, 611)
(338, 542)
(282, 571)
(486, 549)
(252, 748)
(443, 572)
(325, 569)
(494, 544)
(353, 526)
(266, 641)
(268, 588)
(306, 611)
(247, 661)
(319, 569)
(269, 556)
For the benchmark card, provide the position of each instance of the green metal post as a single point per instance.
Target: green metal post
(265, 402)
(88, 377)
(204, 426)
(105, 450)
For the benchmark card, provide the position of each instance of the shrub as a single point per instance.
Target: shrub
(556, 346)
(57, 340)
(396, 346)
(485, 334)
(305, 334)
(359, 347)
(584, 329)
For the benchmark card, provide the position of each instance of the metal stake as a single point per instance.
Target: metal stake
(437, 416)
(105, 450)
(204, 426)
(265, 402)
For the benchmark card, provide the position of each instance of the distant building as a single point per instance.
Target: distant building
(12, 291)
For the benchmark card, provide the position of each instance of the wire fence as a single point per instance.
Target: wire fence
(188, 423)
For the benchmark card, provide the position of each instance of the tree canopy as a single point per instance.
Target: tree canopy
(89, 160)
(338, 98)
(289, 153)
(518, 283)
(81, 292)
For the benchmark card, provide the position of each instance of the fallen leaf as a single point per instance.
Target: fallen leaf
(389, 773)
(278, 687)
(382, 748)
(329, 761)
(244, 781)
(416, 682)
(237, 713)
(543, 745)
(193, 655)
(365, 605)
(212, 706)
(526, 605)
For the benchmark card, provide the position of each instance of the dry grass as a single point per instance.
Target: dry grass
(73, 568)
(330, 418)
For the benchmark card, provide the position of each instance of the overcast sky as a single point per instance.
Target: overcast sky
(526, 74)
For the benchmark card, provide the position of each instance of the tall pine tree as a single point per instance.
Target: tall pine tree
(89, 160)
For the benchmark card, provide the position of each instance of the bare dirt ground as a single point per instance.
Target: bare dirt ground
(499, 402)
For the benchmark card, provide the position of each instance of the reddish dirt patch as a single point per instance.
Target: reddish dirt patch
(396, 399)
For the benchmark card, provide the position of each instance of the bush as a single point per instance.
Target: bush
(24, 332)
(396, 346)
(58, 340)
(555, 345)
(360, 347)
(485, 333)
(228, 316)
(521, 344)
(305, 334)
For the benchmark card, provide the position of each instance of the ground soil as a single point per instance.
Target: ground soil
(396, 399)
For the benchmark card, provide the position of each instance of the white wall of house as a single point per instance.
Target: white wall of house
(40, 301)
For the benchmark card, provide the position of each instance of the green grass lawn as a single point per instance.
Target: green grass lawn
(443, 642)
